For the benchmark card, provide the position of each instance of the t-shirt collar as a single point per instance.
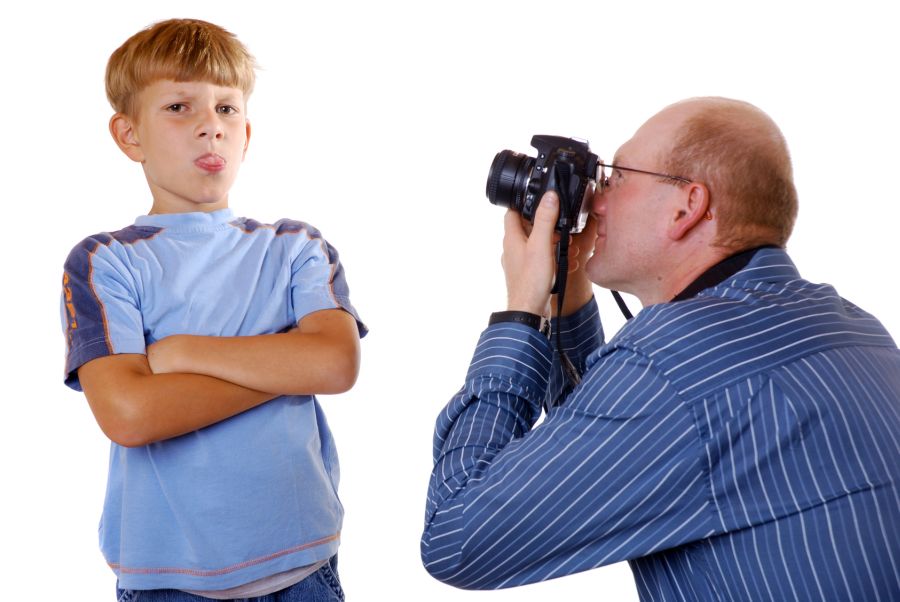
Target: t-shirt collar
(193, 220)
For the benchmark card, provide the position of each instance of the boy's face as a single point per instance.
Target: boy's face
(190, 138)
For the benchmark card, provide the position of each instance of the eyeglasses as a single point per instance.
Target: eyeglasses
(603, 178)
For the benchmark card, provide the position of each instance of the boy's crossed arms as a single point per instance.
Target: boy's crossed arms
(188, 382)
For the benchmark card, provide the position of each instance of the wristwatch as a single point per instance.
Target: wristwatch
(539, 323)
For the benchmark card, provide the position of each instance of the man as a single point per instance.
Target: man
(736, 440)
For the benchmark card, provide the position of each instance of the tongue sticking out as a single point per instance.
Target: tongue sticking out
(210, 162)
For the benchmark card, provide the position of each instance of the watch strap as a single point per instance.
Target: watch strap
(539, 323)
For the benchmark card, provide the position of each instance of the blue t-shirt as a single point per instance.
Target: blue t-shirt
(247, 497)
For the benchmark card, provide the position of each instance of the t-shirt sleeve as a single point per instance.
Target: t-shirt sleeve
(99, 307)
(318, 280)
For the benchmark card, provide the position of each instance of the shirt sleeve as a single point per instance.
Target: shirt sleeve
(318, 280)
(580, 334)
(613, 473)
(99, 306)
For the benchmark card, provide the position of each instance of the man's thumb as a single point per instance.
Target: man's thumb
(546, 215)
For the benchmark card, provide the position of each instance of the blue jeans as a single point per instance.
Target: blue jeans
(321, 586)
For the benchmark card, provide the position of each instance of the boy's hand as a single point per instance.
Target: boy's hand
(319, 356)
(164, 355)
(135, 407)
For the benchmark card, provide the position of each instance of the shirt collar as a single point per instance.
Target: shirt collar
(761, 264)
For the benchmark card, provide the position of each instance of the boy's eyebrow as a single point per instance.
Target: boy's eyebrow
(185, 94)
(178, 92)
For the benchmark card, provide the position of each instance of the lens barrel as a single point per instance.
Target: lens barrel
(508, 179)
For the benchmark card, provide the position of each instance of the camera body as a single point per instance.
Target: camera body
(564, 165)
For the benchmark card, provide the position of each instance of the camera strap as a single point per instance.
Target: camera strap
(621, 303)
(559, 289)
(719, 273)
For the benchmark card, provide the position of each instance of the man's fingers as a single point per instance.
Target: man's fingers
(541, 232)
(512, 225)
(545, 217)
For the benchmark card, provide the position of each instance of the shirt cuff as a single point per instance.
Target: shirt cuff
(514, 354)
(580, 334)
(579, 330)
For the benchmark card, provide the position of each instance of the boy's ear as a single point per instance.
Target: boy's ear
(246, 140)
(123, 130)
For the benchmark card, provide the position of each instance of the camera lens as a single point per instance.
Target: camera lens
(508, 179)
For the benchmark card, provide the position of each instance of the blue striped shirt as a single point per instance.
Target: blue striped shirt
(740, 445)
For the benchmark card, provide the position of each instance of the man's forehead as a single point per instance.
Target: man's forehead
(654, 137)
(635, 149)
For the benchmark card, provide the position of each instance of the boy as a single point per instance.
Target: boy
(199, 340)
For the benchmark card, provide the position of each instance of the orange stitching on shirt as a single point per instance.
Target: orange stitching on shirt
(216, 572)
(90, 279)
(70, 310)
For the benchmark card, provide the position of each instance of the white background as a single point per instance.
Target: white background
(377, 122)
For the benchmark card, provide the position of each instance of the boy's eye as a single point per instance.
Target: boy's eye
(176, 107)
(227, 110)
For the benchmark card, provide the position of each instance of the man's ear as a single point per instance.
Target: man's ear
(246, 141)
(693, 208)
(123, 130)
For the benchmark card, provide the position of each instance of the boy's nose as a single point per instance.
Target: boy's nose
(210, 127)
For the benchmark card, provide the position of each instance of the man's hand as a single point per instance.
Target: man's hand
(529, 261)
(579, 289)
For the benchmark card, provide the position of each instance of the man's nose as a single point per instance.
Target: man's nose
(598, 202)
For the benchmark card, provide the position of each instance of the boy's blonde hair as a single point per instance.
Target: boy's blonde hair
(180, 50)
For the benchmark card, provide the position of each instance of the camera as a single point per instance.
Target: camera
(564, 165)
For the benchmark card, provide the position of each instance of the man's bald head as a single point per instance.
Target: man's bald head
(739, 153)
